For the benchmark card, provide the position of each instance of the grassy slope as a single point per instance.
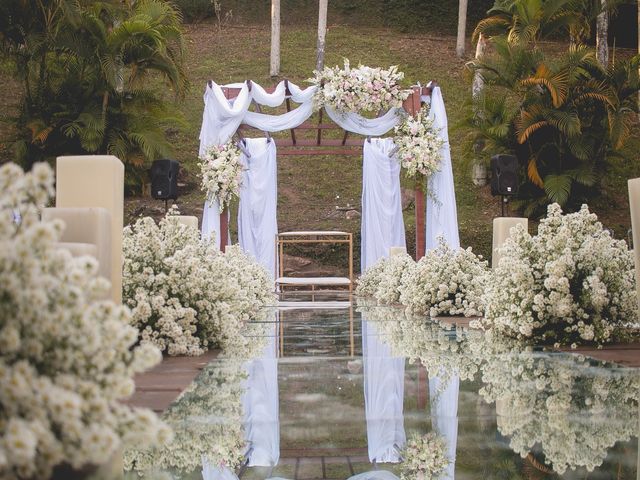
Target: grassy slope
(308, 186)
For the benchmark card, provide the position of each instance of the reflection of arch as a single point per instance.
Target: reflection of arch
(444, 416)
(383, 397)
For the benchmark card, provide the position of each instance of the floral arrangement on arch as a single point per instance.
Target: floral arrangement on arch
(571, 407)
(221, 171)
(570, 284)
(185, 295)
(67, 356)
(362, 89)
(424, 457)
(418, 145)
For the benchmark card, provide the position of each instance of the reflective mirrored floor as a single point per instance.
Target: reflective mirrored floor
(341, 388)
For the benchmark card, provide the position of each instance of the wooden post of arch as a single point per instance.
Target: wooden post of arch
(419, 187)
(224, 229)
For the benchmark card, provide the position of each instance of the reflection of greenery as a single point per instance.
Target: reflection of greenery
(572, 408)
(207, 422)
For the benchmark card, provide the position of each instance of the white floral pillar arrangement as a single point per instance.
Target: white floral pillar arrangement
(571, 284)
(67, 360)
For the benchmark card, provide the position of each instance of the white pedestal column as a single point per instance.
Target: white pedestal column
(501, 231)
(634, 206)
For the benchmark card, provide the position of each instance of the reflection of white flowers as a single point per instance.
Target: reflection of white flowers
(185, 295)
(570, 284)
(67, 359)
(418, 145)
(424, 457)
(207, 420)
(573, 408)
(221, 173)
(362, 89)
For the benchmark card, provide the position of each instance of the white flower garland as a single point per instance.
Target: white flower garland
(424, 457)
(67, 360)
(187, 296)
(221, 171)
(418, 145)
(570, 284)
(362, 89)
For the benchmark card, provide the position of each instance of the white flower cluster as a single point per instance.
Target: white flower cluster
(221, 173)
(66, 359)
(424, 457)
(185, 295)
(444, 282)
(572, 408)
(570, 284)
(207, 420)
(384, 279)
(362, 89)
(418, 145)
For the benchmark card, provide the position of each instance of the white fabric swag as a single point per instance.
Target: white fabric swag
(383, 397)
(442, 214)
(257, 222)
(382, 221)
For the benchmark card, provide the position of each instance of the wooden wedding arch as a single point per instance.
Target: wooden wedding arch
(320, 145)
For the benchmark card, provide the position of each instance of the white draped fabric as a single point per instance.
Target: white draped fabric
(261, 406)
(444, 417)
(442, 214)
(383, 397)
(382, 221)
(257, 223)
(372, 127)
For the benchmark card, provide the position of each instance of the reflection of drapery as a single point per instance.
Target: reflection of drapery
(383, 397)
(382, 222)
(209, 472)
(442, 216)
(444, 417)
(257, 224)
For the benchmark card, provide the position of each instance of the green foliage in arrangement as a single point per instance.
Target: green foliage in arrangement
(86, 69)
(562, 114)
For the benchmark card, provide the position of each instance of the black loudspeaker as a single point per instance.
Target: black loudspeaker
(164, 179)
(504, 175)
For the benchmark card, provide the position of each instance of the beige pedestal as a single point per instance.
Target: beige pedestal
(501, 231)
(79, 249)
(96, 181)
(86, 226)
(393, 251)
(634, 206)
(188, 220)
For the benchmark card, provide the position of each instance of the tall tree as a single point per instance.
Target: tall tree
(322, 32)
(602, 33)
(274, 69)
(462, 27)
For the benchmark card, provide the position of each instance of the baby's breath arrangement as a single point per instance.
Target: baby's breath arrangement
(67, 359)
(362, 89)
(384, 279)
(570, 284)
(185, 295)
(418, 145)
(221, 171)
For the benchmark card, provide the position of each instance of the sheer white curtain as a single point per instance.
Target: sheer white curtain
(442, 214)
(257, 223)
(383, 397)
(444, 417)
(382, 221)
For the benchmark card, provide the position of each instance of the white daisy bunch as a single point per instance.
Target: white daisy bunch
(573, 408)
(362, 89)
(67, 359)
(418, 145)
(446, 282)
(221, 171)
(570, 284)
(207, 420)
(387, 275)
(424, 457)
(185, 295)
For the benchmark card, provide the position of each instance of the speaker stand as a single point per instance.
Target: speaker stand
(504, 203)
(166, 205)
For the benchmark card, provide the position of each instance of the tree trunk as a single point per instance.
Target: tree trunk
(602, 32)
(478, 81)
(322, 31)
(462, 27)
(275, 38)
